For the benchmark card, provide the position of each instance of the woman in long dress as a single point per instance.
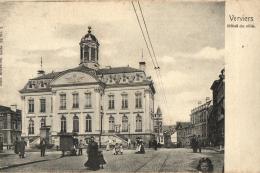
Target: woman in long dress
(93, 161)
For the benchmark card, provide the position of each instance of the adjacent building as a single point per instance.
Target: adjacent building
(184, 133)
(170, 135)
(158, 126)
(90, 100)
(217, 117)
(10, 125)
(199, 120)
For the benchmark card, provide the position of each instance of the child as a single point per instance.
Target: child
(121, 149)
(101, 159)
(205, 165)
(116, 149)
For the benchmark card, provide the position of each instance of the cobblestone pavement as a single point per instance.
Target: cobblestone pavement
(162, 160)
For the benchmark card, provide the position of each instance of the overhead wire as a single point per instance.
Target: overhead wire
(156, 65)
(155, 57)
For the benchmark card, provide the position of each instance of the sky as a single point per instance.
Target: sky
(188, 40)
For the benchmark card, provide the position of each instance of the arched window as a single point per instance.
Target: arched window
(124, 124)
(88, 123)
(31, 127)
(75, 123)
(86, 54)
(93, 54)
(63, 124)
(43, 122)
(138, 123)
(111, 124)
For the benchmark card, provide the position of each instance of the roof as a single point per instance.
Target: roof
(6, 109)
(52, 75)
(159, 112)
(182, 124)
(47, 76)
(115, 70)
(82, 68)
(215, 84)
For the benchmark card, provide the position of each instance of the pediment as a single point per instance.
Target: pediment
(72, 78)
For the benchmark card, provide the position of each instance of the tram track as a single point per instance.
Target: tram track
(164, 162)
(143, 165)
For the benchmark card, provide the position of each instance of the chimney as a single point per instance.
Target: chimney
(207, 99)
(142, 65)
(40, 73)
(13, 107)
(199, 102)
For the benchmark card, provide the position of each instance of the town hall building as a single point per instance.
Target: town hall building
(89, 100)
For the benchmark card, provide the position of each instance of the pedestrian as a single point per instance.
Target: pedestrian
(101, 159)
(108, 146)
(92, 151)
(43, 147)
(129, 143)
(116, 149)
(21, 147)
(81, 146)
(75, 146)
(205, 165)
(194, 144)
(16, 143)
(142, 151)
(199, 143)
(155, 144)
(121, 150)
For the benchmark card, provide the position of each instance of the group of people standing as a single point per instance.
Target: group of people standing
(196, 143)
(140, 146)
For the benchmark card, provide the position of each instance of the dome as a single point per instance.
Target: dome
(89, 37)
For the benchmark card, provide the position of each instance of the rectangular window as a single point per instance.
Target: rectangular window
(86, 54)
(42, 105)
(31, 106)
(124, 101)
(75, 100)
(111, 102)
(93, 54)
(138, 100)
(51, 105)
(63, 101)
(88, 100)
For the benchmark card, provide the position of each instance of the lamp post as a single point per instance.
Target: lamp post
(101, 125)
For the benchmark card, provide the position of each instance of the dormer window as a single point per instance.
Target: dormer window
(42, 84)
(137, 77)
(124, 78)
(30, 85)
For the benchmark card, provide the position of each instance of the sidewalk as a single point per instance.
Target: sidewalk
(9, 160)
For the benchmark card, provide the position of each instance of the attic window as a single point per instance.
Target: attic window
(42, 84)
(124, 78)
(137, 77)
(110, 79)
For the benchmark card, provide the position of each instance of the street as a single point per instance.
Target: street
(162, 160)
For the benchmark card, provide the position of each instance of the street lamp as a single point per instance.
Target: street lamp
(101, 125)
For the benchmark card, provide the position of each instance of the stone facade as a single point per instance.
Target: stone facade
(199, 120)
(184, 133)
(89, 100)
(158, 126)
(217, 117)
(10, 125)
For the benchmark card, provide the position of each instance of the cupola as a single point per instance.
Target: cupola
(89, 50)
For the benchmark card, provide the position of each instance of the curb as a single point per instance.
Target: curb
(21, 164)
